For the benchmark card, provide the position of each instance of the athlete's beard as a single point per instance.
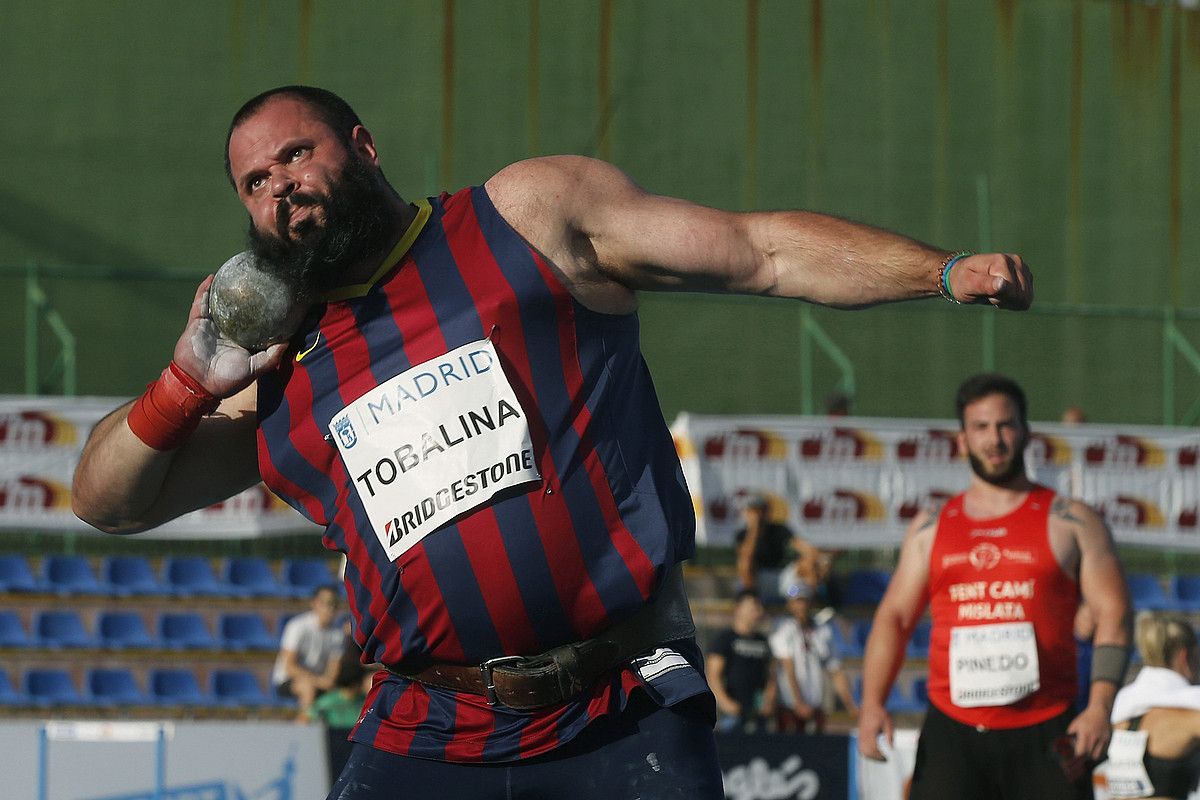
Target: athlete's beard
(1009, 473)
(358, 223)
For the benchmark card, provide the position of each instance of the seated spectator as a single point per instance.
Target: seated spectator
(341, 707)
(763, 549)
(309, 649)
(811, 566)
(804, 651)
(1155, 750)
(740, 671)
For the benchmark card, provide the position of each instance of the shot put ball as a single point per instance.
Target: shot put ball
(252, 307)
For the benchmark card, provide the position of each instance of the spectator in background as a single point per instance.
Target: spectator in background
(309, 649)
(341, 707)
(1156, 717)
(804, 651)
(837, 404)
(1073, 415)
(740, 670)
(763, 549)
(812, 566)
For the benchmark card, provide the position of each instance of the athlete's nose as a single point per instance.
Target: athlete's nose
(282, 184)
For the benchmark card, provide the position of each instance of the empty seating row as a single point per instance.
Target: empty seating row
(120, 630)
(185, 576)
(119, 687)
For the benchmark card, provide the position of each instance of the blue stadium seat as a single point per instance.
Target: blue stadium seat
(184, 631)
(844, 646)
(130, 576)
(237, 687)
(193, 576)
(918, 643)
(1186, 589)
(121, 629)
(69, 575)
(901, 702)
(862, 629)
(254, 577)
(60, 629)
(12, 632)
(920, 691)
(245, 632)
(15, 575)
(898, 701)
(1146, 592)
(302, 576)
(176, 687)
(50, 687)
(114, 687)
(865, 587)
(9, 696)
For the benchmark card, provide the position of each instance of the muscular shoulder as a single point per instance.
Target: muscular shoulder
(1068, 511)
(560, 205)
(555, 186)
(923, 528)
(1076, 518)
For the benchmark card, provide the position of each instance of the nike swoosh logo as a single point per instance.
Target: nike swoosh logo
(302, 354)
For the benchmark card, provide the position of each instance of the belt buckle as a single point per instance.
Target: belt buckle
(489, 688)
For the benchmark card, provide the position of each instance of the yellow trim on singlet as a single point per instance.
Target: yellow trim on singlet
(424, 211)
(303, 353)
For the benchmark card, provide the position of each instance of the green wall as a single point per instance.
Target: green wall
(1082, 116)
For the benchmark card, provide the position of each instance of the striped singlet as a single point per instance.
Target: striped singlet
(540, 565)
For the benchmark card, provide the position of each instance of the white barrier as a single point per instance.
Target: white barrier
(68, 760)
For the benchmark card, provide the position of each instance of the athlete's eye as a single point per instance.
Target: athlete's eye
(296, 152)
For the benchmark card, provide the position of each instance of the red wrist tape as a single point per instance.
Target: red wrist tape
(171, 408)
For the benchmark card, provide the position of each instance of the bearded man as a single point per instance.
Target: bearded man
(1002, 568)
(468, 414)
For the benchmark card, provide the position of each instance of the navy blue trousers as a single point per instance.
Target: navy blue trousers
(646, 752)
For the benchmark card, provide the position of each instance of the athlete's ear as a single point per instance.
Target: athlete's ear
(961, 439)
(362, 143)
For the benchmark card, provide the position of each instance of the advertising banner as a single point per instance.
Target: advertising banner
(41, 439)
(854, 482)
(766, 766)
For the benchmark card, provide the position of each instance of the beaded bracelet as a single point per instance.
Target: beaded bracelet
(943, 278)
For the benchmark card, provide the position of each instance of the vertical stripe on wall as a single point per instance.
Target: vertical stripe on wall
(750, 167)
(447, 92)
(603, 78)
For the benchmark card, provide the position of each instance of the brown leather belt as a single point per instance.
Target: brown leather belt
(553, 677)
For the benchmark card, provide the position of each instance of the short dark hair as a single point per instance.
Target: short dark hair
(326, 587)
(329, 108)
(984, 384)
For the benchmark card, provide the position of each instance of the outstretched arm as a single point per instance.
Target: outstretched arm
(609, 237)
(124, 485)
(902, 604)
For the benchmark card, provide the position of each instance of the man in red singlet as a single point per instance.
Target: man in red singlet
(1002, 568)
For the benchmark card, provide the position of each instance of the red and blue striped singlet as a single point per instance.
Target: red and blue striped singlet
(553, 562)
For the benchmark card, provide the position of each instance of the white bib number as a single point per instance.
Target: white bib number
(1125, 769)
(993, 665)
(434, 442)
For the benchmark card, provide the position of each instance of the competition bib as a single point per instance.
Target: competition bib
(993, 665)
(1125, 769)
(434, 442)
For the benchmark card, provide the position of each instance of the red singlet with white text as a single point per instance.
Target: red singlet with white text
(1002, 647)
